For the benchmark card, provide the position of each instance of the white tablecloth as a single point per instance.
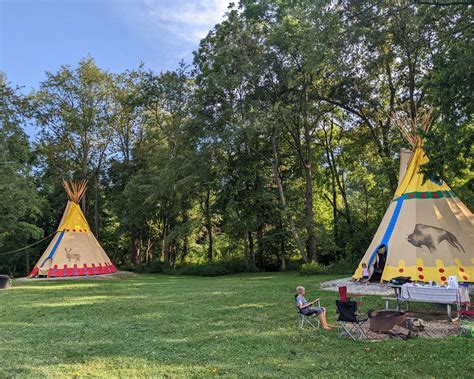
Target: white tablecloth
(435, 294)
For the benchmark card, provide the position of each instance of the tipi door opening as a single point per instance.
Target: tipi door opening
(379, 260)
(45, 267)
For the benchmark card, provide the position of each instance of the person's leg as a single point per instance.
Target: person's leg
(322, 317)
(321, 313)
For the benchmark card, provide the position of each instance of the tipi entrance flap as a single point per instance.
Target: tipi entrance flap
(45, 266)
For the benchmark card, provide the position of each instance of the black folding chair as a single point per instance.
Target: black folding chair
(350, 322)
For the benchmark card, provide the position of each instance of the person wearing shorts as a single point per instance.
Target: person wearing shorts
(307, 308)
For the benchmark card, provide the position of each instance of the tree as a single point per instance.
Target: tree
(449, 86)
(20, 205)
(72, 110)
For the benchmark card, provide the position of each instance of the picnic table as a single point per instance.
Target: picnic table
(410, 292)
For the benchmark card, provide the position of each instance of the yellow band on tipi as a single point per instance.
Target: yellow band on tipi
(74, 220)
(413, 179)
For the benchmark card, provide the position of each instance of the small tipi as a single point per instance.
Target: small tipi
(74, 250)
(427, 233)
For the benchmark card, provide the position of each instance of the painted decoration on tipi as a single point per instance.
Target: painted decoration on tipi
(427, 233)
(74, 250)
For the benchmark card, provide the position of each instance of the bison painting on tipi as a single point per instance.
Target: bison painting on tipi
(74, 250)
(427, 233)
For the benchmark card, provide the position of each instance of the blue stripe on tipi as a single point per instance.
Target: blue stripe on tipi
(389, 230)
(53, 250)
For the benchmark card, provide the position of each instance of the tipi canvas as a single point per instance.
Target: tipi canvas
(427, 233)
(74, 250)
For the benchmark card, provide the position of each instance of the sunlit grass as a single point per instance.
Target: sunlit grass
(241, 326)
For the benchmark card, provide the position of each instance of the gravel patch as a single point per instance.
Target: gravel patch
(357, 288)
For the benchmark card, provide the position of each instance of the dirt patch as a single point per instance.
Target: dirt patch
(115, 275)
(436, 326)
(357, 288)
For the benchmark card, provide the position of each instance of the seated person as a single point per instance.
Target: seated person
(307, 309)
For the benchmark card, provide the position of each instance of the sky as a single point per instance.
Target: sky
(41, 35)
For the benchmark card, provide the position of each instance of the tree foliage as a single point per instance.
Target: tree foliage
(276, 145)
(20, 204)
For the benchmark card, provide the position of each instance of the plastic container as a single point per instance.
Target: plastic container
(5, 281)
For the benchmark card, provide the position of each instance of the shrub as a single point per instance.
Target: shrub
(232, 266)
(227, 267)
(312, 268)
(154, 267)
(340, 267)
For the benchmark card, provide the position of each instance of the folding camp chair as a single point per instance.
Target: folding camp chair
(308, 320)
(350, 322)
(343, 295)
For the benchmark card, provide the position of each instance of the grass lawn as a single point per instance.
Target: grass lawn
(241, 325)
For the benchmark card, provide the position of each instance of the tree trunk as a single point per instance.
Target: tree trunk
(85, 154)
(133, 244)
(246, 251)
(96, 204)
(185, 249)
(209, 226)
(282, 250)
(277, 178)
(337, 181)
(172, 254)
(308, 166)
(165, 249)
(347, 209)
(335, 213)
(27, 261)
(309, 213)
(260, 246)
(366, 207)
(251, 250)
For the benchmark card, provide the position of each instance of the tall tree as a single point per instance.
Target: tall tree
(72, 110)
(20, 205)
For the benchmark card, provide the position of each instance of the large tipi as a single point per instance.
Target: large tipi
(427, 233)
(74, 250)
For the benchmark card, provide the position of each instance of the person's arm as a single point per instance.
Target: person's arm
(308, 304)
(303, 306)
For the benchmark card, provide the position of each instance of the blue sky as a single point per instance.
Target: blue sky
(41, 35)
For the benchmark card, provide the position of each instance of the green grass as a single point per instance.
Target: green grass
(242, 325)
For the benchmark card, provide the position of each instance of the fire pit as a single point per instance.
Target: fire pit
(385, 321)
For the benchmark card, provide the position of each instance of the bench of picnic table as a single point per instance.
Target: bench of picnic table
(403, 300)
